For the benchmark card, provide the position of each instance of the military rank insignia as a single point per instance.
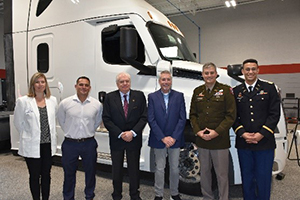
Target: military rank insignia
(239, 96)
(262, 92)
(219, 93)
(200, 96)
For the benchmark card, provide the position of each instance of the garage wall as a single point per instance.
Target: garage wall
(268, 31)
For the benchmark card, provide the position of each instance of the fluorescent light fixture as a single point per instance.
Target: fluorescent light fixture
(233, 3)
(227, 3)
(75, 1)
(230, 3)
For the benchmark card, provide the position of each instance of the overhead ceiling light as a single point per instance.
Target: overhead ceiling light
(233, 3)
(75, 1)
(230, 3)
(227, 3)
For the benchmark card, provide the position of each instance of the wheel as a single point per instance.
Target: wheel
(189, 171)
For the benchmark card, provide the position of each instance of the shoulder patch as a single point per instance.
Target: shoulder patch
(231, 90)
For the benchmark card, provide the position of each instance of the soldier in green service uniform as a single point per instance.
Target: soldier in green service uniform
(212, 113)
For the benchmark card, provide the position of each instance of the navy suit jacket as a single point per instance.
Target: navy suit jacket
(162, 123)
(114, 119)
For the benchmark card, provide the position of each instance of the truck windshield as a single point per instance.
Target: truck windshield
(172, 46)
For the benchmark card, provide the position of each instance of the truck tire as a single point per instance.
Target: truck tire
(189, 171)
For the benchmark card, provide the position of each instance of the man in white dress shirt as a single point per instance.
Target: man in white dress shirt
(79, 116)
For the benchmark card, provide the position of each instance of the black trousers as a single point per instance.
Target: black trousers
(133, 168)
(39, 173)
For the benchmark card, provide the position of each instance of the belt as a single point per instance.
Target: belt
(78, 140)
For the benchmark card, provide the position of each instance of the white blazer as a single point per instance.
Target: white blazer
(27, 122)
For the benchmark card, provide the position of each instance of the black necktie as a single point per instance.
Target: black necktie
(250, 88)
(208, 90)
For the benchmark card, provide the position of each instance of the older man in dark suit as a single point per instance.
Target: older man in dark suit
(125, 116)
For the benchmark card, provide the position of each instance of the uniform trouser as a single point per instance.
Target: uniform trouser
(39, 171)
(133, 168)
(256, 170)
(219, 159)
(160, 163)
(71, 150)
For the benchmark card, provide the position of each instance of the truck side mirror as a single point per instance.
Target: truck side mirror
(101, 96)
(128, 43)
(129, 50)
(234, 71)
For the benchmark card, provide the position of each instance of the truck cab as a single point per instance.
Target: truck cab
(99, 39)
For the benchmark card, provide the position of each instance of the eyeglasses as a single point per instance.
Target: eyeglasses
(254, 69)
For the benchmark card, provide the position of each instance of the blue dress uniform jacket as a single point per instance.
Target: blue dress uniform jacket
(215, 110)
(257, 111)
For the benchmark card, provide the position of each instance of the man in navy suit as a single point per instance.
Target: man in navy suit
(125, 116)
(166, 117)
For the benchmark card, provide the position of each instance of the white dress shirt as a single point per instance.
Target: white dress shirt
(79, 119)
(122, 99)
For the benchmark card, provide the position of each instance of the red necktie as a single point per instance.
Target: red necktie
(125, 107)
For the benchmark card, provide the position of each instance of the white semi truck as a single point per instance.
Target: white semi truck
(65, 39)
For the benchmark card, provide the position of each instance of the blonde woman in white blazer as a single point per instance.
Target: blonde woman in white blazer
(34, 118)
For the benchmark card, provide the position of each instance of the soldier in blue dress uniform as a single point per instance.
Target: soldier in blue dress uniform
(258, 112)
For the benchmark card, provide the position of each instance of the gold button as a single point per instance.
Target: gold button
(251, 113)
(252, 120)
(251, 106)
(250, 99)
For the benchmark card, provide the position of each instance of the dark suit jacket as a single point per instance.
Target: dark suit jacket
(115, 122)
(258, 111)
(164, 123)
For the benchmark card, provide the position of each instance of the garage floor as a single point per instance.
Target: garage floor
(14, 183)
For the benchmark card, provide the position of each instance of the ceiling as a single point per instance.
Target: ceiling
(177, 7)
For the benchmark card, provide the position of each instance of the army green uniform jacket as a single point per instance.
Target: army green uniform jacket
(215, 110)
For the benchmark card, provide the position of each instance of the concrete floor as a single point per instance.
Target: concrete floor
(14, 183)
